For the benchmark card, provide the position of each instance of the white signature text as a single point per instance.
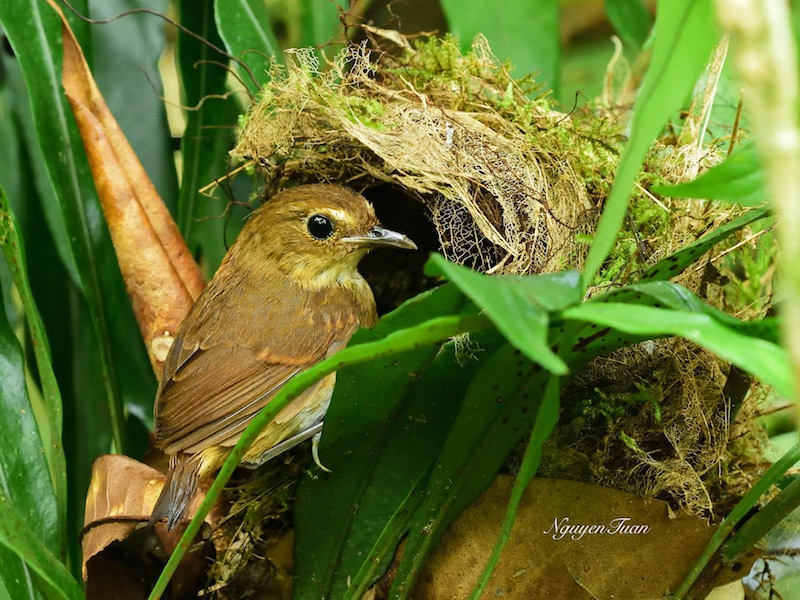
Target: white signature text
(562, 528)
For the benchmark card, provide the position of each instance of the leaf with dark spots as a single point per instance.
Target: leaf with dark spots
(382, 433)
(476, 447)
(688, 255)
(709, 328)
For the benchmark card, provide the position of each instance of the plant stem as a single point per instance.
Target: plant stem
(737, 514)
(762, 523)
(765, 57)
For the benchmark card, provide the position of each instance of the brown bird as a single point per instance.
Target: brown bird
(287, 295)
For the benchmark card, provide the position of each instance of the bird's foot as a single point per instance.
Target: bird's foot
(315, 451)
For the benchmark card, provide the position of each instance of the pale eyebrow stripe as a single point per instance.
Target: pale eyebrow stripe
(338, 215)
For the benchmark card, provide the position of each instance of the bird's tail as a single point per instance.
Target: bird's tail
(179, 490)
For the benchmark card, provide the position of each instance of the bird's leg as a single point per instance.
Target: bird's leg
(315, 450)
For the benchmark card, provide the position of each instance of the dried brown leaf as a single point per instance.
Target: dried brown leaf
(121, 497)
(122, 556)
(641, 557)
(160, 274)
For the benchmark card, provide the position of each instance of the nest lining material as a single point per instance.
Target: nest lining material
(654, 420)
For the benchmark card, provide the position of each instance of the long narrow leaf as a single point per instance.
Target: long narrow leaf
(631, 19)
(382, 433)
(17, 535)
(321, 20)
(765, 360)
(544, 426)
(50, 415)
(546, 421)
(498, 411)
(524, 32)
(501, 403)
(25, 477)
(53, 280)
(740, 511)
(16, 579)
(19, 178)
(665, 294)
(679, 261)
(209, 134)
(686, 33)
(244, 26)
(33, 30)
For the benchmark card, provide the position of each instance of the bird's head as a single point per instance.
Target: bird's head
(316, 234)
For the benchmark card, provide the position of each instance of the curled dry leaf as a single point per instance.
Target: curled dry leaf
(121, 496)
(570, 540)
(160, 273)
(281, 555)
(121, 554)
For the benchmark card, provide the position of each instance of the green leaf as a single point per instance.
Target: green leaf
(52, 286)
(525, 32)
(546, 421)
(97, 346)
(498, 411)
(244, 26)
(17, 535)
(631, 20)
(208, 136)
(766, 360)
(25, 478)
(518, 306)
(28, 152)
(739, 178)
(665, 294)
(744, 508)
(16, 580)
(12, 176)
(35, 33)
(47, 411)
(321, 20)
(379, 447)
(686, 34)
(679, 261)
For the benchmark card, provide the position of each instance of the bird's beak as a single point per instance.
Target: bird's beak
(378, 237)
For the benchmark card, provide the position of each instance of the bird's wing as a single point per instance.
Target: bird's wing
(213, 396)
(213, 385)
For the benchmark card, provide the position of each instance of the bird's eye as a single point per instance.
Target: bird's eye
(320, 227)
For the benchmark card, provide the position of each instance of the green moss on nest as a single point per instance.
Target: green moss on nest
(455, 130)
(511, 184)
